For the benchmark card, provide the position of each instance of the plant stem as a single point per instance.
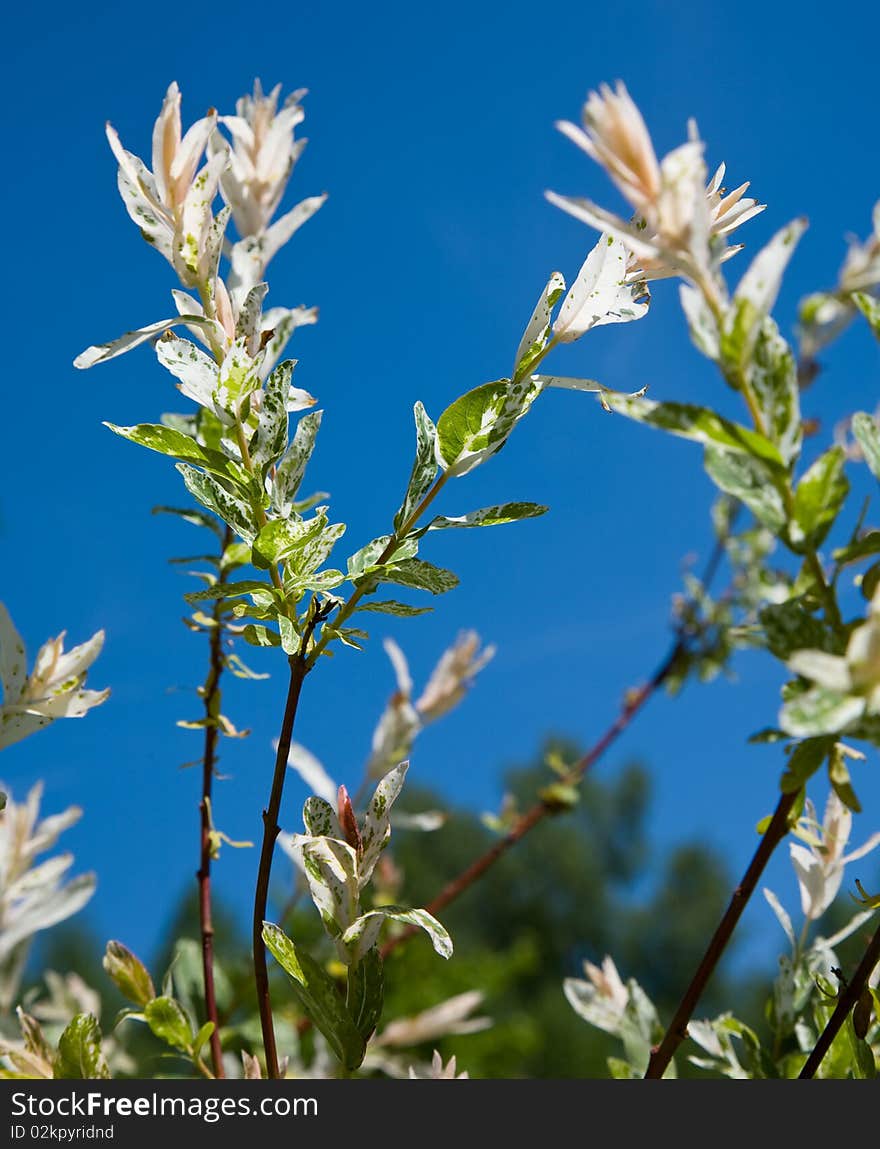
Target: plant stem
(662, 1054)
(211, 698)
(633, 704)
(299, 668)
(846, 999)
(394, 542)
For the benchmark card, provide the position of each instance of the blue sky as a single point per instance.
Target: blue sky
(432, 130)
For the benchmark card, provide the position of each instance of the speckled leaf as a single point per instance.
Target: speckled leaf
(79, 1051)
(259, 590)
(696, 423)
(376, 827)
(390, 606)
(478, 424)
(270, 439)
(367, 557)
(864, 428)
(331, 868)
(320, 818)
(361, 935)
(197, 372)
(289, 472)
(537, 332)
(750, 480)
(419, 575)
(819, 711)
(424, 468)
(756, 294)
(300, 545)
(774, 383)
(13, 659)
(700, 320)
(601, 293)
(488, 516)
(100, 352)
(231, 509)
(319, 997)
(789, 626)
(257, 635)
(167, 441)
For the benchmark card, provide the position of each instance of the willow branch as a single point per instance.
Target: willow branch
(634, 702)
(299, 668)
(211, 699)
(662, 1054)
(846, 1000)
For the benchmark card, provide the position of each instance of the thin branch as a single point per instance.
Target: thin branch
(846, 1000)
(211, 698)
(634, 701)
(662, 1054)
(299, 668)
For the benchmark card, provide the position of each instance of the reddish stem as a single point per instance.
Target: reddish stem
(662, 1054)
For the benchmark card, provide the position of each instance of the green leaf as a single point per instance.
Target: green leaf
(376, 828)
(861, 548)
(864, 427)
(301, 545)
(818, 498)
(317, 994)
(774, 383)
(270, 438)
(864, 1065)
(201, 1037)
(838, 776)
(803, 762)
(128, 973)
(751, 481)
(290, 471)
(167, 441)
(819, 711)
(390, 606)
(869, 305)
(755, 296)
(696, 423)
(487, 517)
(366, 992)
(192, 515)
(290, 641)
(424, 468)
(167, 1020)
(232, 590)
(537, 332)
(789, 626)
(258, 635)
(79, 1050)
(479, 423)
(362, 933)
(364, 560)
(419, 575)
(231, 508)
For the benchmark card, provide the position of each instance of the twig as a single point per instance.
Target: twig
(203, 875)
(847, 998)
(633, 704)
(662, 1054)
(299, 668)
(211, 698)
